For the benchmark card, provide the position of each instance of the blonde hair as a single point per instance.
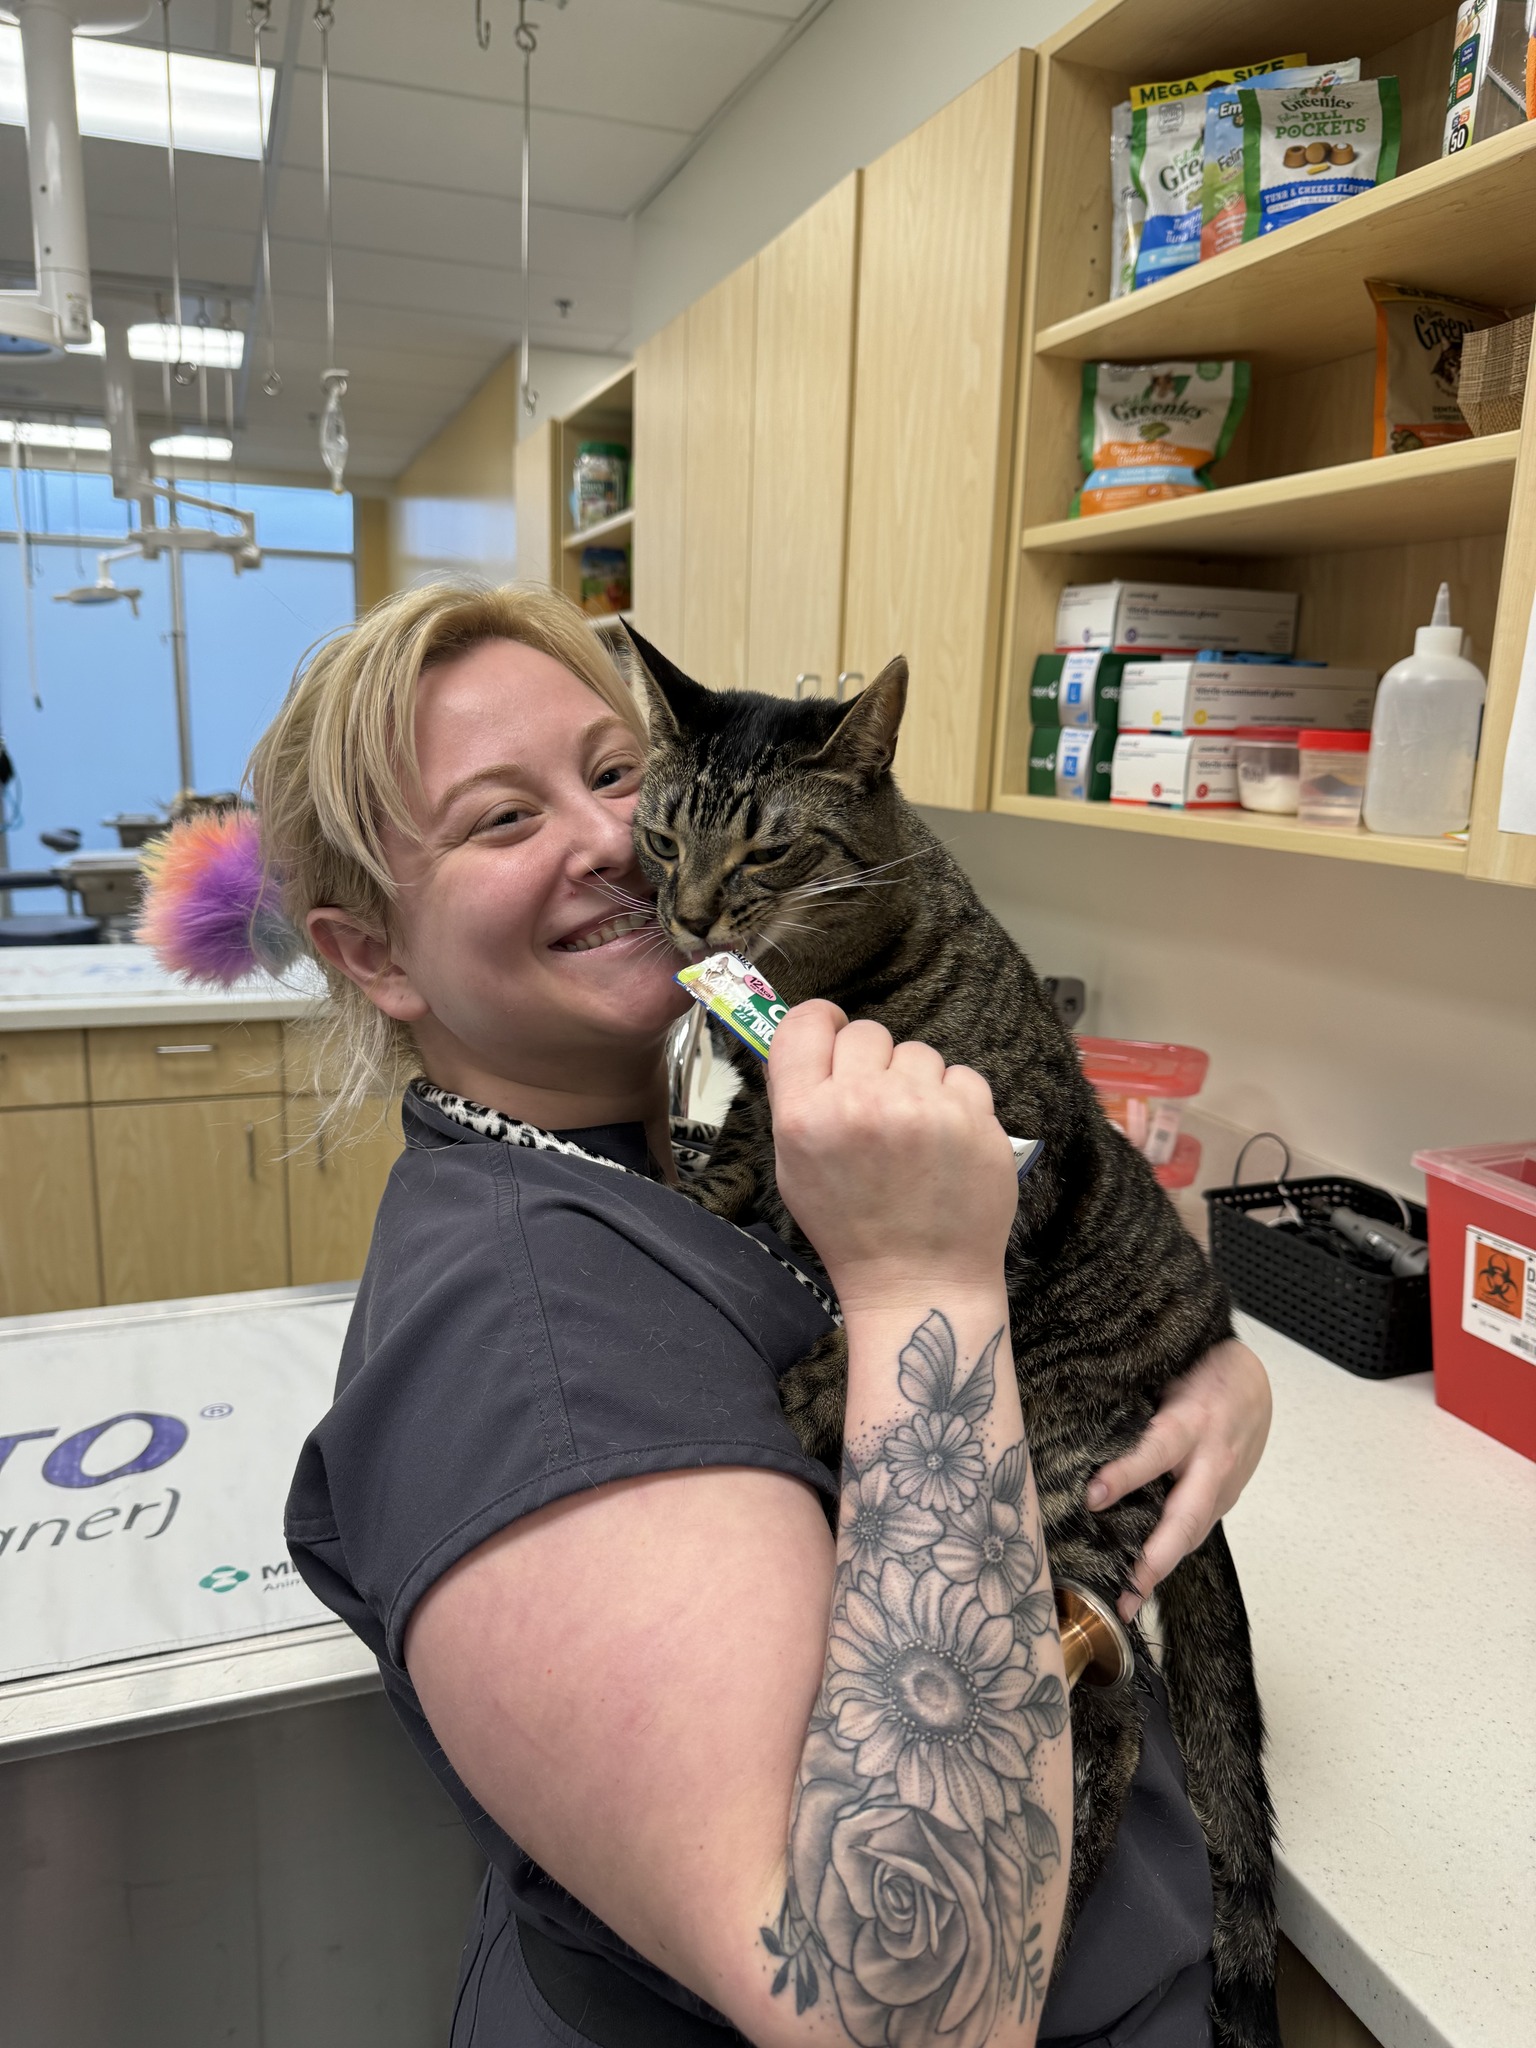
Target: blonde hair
(338, 764)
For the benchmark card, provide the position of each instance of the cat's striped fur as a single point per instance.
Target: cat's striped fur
(776, 830)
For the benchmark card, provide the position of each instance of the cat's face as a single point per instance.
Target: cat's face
(760, 820)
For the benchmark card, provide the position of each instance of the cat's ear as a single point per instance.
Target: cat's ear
(676, 701)
(862, 747)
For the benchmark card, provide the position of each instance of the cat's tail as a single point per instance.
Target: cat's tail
(1213, 1703)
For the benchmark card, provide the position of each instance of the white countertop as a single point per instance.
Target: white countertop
(1388, 1557)
(1388, 1560)
(44, 988)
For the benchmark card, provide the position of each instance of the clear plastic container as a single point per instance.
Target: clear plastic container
(1332, 777)
(1268, 768)
(598, 482)
(1429, 712)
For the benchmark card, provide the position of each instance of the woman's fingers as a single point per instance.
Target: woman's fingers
(1189, 1514)
(1165, 1443)
(803, 1045)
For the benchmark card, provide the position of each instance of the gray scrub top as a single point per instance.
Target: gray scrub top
(532, 1323)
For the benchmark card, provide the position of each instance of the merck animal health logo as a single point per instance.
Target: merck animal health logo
(88, 1459)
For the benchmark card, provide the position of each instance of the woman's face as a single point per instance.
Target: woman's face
(523, 932)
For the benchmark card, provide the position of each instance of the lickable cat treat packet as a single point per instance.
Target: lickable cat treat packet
(1152, 430)
(732, 991)
(1309, 146)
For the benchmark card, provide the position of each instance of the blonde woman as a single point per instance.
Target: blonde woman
(735, 1773)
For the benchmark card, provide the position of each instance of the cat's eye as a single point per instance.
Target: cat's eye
(763, 856)
(660, 844)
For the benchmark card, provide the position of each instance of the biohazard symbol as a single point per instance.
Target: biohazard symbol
(1499, 1281)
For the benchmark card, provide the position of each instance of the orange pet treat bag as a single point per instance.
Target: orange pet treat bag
(1152, 430)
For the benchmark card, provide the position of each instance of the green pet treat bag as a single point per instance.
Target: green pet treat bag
(1221, 184)
(1308, 147)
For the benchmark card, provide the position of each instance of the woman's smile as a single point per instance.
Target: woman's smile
(589, 937)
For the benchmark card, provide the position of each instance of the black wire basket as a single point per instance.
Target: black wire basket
(1372, 1323)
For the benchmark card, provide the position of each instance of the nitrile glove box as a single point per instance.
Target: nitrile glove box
(1077, 689)
(1181, 771)
(1219, 696)
(1071, 762)
(1175, 618)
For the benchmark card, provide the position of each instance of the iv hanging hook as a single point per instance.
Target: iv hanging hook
(526, 36)
(259, 14)
(333, 380)
(482, 26)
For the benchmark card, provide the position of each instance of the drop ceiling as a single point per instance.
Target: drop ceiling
(425, 139)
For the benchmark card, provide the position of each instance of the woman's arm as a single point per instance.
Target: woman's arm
(827, 1789)
(1209, 1432)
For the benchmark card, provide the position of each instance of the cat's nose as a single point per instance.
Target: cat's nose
(698, 928)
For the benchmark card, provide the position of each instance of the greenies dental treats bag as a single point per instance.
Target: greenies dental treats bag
(1221, 181)
(1152, 430)
(1309, 146)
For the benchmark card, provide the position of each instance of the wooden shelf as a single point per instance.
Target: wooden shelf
(1246, 828)
(605, 529)
(1464, 224)
(613, 399)
(1428, 494)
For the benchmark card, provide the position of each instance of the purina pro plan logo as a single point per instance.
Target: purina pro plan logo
(144, 1464)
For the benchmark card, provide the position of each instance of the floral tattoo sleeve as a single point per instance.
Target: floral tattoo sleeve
(916, 1850)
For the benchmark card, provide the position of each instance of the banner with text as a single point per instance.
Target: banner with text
(145, 1456)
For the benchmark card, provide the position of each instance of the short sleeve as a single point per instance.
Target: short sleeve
(529, 1327)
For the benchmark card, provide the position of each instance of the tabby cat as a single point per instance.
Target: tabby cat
(776, 830)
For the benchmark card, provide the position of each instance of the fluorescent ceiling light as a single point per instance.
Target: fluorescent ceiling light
(120, 93)
(220, 348)
(54, 434)
(194, 447)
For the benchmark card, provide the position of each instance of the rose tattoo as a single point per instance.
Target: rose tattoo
(915, 1848)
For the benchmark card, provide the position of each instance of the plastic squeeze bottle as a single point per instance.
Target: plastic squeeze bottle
(1429, 711)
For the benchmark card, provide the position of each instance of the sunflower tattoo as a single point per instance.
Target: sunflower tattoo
(916, 1850)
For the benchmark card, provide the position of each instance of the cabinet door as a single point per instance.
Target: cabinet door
(39, 1067)
(717, 498)
(335, 1179)
(802, 412)
(48, 1250)
(660, 447)
(940, 257)
(192, 1197)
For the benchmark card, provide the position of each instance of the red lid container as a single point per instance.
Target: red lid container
(1326, 741)
(1143, 1066)
(1482, 1286)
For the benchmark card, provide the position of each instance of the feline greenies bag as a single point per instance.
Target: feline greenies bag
(1152, 430)
(1309, 146)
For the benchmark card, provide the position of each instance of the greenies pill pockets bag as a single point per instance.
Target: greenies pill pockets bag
(1309, 146)
(1166, 152)
(1152, 430)
(1221, 182)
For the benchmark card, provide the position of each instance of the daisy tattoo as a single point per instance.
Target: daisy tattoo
(916, 1851)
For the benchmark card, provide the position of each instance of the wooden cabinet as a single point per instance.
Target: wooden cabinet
(38, 1067)
(175, 1062)
(660, 444)
(49, 1257)
(802, 412)
(192, 1196)
(940, 262)
(336, 1176)
(717, 480)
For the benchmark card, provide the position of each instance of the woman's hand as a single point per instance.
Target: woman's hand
(1209, 1432)
(891, 1163)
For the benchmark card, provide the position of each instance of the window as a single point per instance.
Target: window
(104, 739)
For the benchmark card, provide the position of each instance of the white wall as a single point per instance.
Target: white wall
(861, 77)
(1361, 1012)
